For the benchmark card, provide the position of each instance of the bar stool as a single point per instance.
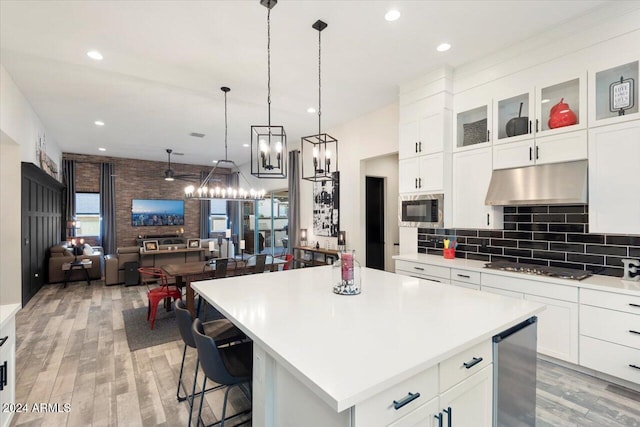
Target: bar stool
(229, 366)
(155, 275)
(222, 330)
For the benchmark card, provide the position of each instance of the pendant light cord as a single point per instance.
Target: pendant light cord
(319, 80)
(269, 65)
(225, 126)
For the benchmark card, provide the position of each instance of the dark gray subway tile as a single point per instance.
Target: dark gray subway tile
(490, 233)
(517, 218)
(533, 209)
(585, 259)
(534, 261)
(567, 247)
(634, 252)
(614, 261)
(571, 265)
(518, 252)
(510, 225)
(606, 271)
(426, 230)
(553, 237)
(520, 235)
(549, 218)
(504, 243)
(490, 250)
(585, 238)
(496, 258)
(468, 233)
(607, 250)
(478, 257)
(567, 228)
(533, 227)
(510, 209)
(556, 256)
(533, 245)
(434, 252)
(578, 218)
(477, 241)
(567, 209)
(422, 250)
(467, 248)
(623, 240)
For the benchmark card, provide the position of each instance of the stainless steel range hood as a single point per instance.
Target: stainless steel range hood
(551, 184)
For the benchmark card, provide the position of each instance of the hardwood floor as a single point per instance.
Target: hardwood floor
(72, 349)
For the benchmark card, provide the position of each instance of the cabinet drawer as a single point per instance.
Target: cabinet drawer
(612, 359)
(423, 277)
(504, 292)
(466, 285)
(454, 369)
(531, 287)
(613, 326)
(430, 270)
(379, 410)
(620, 302)
(465, 276)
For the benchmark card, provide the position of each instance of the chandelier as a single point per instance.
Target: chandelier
(268, 142)
(207, 190)
(322, 149)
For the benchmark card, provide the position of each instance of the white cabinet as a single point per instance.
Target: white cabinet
(430, 273)
(424, 416)
(608, 78)
(465, 279)
(614, 205)
(470, 403)
(471, 176)
(423, 174)
(425, 135)
(473, 119)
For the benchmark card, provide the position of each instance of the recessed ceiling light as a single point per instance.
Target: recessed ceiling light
(95, 55)
(392, 15)
(245, 145)
(99, 123)
(311, 110)
(102, 149)
(443, 47)
(214, 161)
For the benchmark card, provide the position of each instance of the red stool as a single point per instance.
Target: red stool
(155, 275)
(288, 261)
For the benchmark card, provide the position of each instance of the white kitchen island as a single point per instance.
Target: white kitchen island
(322, 359)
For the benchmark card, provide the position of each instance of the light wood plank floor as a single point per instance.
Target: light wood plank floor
(72, 348)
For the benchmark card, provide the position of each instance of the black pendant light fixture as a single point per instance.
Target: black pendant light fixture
(319, 151)
(268, 142)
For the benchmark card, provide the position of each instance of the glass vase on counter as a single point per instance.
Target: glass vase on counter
(345, 275)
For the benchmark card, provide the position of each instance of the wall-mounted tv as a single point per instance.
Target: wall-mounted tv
(147, 212)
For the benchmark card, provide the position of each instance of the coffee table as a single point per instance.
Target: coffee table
(84, 265)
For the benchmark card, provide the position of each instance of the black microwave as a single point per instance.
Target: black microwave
(424, 210)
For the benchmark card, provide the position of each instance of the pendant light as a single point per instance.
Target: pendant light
(319, 151)
(208, 191)
(268, 142)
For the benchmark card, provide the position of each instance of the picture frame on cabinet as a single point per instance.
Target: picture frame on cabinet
(193, 243)
(150, 246)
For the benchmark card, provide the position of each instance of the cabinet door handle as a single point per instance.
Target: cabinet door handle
(416, 147)
(464, 275)
(473, 362)
(634, 332)
(488, 135)
(439, 418)
(410, 397)
(537, 152)
(448, 411)
(431, 280)
(416, 184)
(420, 146)
(3, 340)
(537, 122)
(419, 182)
(487, 219)
(418, 268)
(634, 305)
(529, 126)
(633, 366)
(3, 375)
(530, 154)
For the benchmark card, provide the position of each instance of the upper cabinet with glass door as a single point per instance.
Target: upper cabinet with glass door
(513, 117)
(613, 93)
(561, 106)
(473, 120)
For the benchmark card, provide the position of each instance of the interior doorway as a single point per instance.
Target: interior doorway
(375, 222)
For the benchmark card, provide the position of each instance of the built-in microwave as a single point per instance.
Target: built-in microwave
(424, 210)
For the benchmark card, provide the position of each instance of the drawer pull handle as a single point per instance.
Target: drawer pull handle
(634, 305)
(634, 366)
(4, 370)
(448, 411)
(3, 340)
(464, 275)
(472, 363)
(397, 404)
(431, 280)
(418, 268)
(439, 418)
(634, 332)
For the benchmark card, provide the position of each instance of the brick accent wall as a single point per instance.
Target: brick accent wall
(139, 179)
(555, 236)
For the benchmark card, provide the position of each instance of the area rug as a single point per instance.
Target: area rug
(165, 329)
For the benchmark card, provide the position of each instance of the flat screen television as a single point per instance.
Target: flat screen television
(151, 212)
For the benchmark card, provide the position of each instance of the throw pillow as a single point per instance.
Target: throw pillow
(88, 250)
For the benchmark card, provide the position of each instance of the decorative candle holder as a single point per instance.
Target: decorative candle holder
(346, 274)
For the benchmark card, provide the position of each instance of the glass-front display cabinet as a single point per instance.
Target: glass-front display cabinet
(561, 106)
(513, 118)
(473, 127)
(613, 94)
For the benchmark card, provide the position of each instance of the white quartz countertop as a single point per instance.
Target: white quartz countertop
(348, 348)
(7, 311)
(597, 282)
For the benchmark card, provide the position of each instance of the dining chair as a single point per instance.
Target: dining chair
(222, 331)
(229, 366)
(288, 258)
(256, 264)
(155, 275)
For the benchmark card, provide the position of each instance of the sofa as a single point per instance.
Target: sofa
(114, 264)
(61, 254)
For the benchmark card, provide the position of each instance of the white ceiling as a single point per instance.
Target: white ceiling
(165, 61)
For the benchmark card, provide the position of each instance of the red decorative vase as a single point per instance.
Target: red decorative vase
(561, 115)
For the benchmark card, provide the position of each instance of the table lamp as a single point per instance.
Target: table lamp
(342, 240)
(303, 236)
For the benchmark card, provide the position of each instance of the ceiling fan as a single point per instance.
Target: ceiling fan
(170, 174)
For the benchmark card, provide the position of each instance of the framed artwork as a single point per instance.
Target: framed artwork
(150, 246)
(326, 207)
(193, 243)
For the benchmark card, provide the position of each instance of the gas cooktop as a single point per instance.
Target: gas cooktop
(539, 270)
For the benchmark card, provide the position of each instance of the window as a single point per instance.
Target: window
(88, 214)
(218, 217)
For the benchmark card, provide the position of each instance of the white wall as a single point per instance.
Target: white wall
(383, 167)
(369, 136)
(20, 128)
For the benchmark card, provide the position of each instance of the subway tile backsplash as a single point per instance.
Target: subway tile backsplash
(545, 235)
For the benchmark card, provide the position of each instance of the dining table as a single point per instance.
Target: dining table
(185, 273)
